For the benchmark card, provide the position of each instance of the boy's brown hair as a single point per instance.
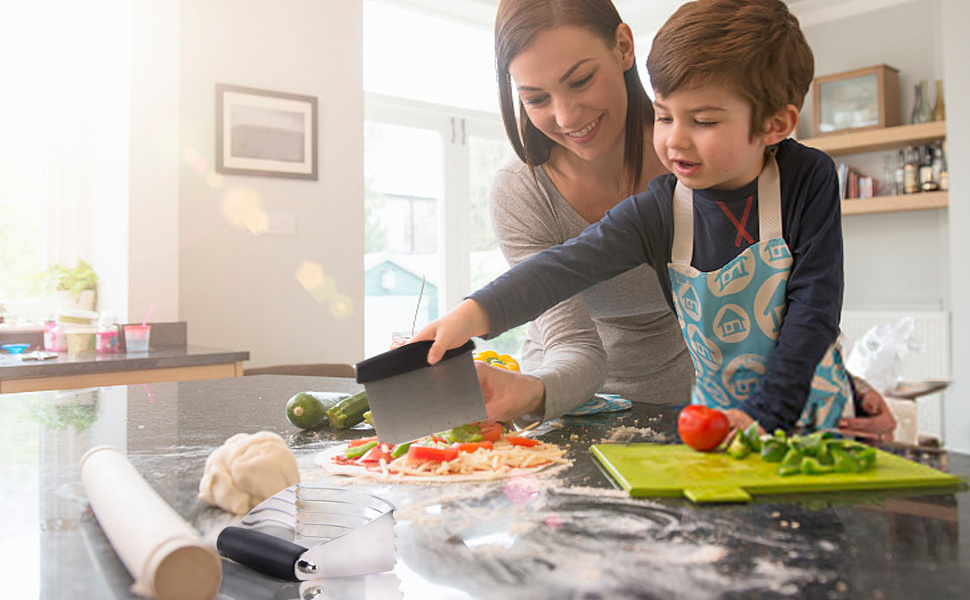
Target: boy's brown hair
(754, 46)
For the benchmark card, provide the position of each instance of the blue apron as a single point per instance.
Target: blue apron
(731, 317)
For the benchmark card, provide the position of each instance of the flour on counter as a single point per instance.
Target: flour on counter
(624, 434)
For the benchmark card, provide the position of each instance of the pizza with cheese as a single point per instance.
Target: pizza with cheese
(474, 452)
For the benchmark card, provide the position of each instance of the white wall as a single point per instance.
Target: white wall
(955, 25)
(239, 290)
(902, 261)
(896, 261)
(149, 268)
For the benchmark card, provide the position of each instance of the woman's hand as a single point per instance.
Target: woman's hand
(467, 320)
(508, 394)
(739, 419)
(878, 424)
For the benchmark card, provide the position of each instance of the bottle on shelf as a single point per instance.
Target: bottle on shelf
(911, 171)
(926, 181)
(944, 179)
(922, 112)
(939, 110)
(899, 177)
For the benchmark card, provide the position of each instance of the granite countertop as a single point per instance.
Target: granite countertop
(14, 367)
(570, 535)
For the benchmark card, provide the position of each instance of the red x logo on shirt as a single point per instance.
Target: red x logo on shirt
(742, 225)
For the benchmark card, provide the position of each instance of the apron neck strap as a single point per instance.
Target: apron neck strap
(769, 212)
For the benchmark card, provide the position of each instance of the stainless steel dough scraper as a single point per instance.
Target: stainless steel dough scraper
(410, 399)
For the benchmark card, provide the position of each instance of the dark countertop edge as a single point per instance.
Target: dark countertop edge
(191, 356)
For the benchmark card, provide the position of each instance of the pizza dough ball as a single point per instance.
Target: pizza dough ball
(247, 469)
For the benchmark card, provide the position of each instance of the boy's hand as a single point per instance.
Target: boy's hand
(467, 320)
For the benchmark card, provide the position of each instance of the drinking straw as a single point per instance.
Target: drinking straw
(148, 314)
(418, 307)
(149, 392)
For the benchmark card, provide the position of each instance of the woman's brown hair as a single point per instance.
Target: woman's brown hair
(516, 25)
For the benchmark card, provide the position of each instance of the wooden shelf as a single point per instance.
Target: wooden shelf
(874, 140)
(884, 204)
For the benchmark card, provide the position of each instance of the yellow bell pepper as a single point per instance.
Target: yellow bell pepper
(502, 361)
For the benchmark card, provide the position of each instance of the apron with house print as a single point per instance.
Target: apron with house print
(731, 317)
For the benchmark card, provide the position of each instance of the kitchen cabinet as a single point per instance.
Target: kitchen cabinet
(876, 140)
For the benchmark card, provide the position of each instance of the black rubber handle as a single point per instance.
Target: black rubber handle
(404, 359)
(260, 551)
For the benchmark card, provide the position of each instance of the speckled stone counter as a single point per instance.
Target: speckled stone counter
(94, 369)
(571, 535)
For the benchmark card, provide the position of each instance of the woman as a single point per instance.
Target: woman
(582, 132)
(584, 144)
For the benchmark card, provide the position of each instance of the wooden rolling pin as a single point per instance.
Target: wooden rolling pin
(165, 555)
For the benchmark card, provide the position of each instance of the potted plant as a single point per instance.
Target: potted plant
(71, 287)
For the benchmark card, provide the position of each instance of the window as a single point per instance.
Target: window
(64, 118)
(433, 141)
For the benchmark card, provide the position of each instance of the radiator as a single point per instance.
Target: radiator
(932, 330)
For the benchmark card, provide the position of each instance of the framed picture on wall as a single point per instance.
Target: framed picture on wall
(860, 99)
(265, 133)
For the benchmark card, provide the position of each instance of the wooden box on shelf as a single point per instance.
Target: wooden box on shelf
(856, 100)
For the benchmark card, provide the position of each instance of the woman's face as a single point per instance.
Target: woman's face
(571, 84)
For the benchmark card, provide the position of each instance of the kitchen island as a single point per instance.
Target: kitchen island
(569, 535)
(119, 368)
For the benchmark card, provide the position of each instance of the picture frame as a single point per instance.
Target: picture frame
(265, 133)
(856, 100)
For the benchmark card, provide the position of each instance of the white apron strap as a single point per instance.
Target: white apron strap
(769, 213)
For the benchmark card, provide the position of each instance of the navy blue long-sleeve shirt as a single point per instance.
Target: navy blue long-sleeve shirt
(640, 230)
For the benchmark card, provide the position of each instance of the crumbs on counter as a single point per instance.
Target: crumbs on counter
(624, 434)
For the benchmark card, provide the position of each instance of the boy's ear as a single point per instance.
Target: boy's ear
(780, 125)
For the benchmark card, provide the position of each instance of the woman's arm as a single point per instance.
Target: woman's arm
(574, 362)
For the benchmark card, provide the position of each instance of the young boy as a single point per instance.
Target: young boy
(744, 234)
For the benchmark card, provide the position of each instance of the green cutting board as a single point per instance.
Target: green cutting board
(677, 470)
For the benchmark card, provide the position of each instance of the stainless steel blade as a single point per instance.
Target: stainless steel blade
(426, 400)
(305, 532)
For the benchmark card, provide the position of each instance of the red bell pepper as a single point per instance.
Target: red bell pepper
(471, 446)
(522, 441)
(432, 453)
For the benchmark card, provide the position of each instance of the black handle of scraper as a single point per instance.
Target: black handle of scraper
(404, 359)
(260, 551)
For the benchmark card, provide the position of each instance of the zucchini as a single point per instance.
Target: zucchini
(349, 411)
(327, 399)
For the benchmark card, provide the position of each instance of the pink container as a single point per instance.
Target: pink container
(107, 341)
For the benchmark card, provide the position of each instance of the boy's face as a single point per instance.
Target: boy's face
(702, 135)
(571, 85)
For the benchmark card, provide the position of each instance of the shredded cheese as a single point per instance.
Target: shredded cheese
(500, 460)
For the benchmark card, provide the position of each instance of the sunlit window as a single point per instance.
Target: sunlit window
(409, 54)
(64, 124)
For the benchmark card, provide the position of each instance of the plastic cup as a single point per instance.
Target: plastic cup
(137, 337)
(399, 338)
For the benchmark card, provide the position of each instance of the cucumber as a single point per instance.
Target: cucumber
(307, 410)
(349, 411)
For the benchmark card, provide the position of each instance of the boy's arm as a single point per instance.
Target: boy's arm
(466, 321)
(607, 248)
(813, 226)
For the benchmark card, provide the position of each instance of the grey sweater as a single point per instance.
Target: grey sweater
(619, 336)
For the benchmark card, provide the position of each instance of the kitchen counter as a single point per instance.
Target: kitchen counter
(569, 535)
(92, 369)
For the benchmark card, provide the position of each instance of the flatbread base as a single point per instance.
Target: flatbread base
(325, 461)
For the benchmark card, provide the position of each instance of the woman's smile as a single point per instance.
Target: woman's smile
(586, 133)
